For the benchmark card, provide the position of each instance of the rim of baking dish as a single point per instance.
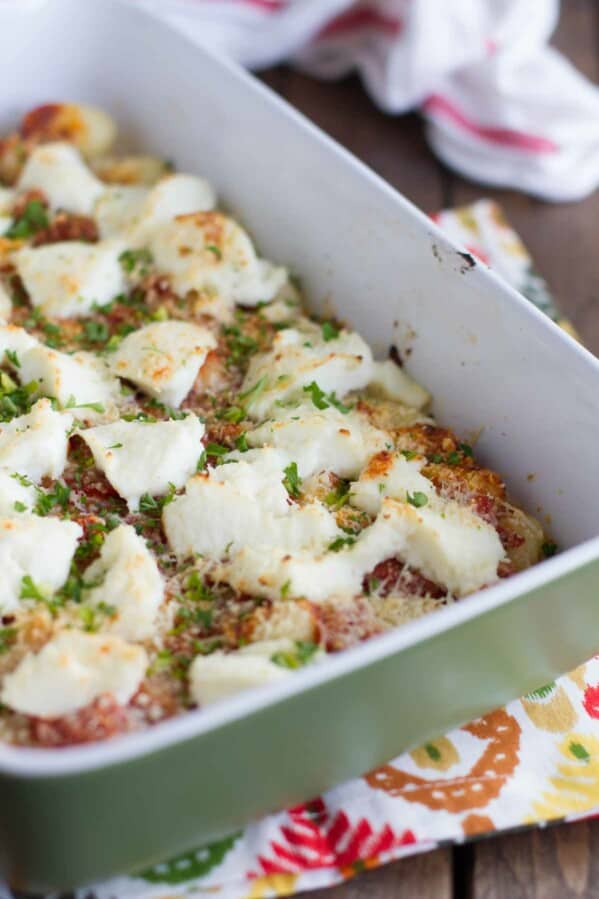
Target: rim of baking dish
(39, 763)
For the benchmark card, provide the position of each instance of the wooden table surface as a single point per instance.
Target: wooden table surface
(559, 862)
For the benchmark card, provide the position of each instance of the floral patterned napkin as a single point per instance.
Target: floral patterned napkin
(533, 761)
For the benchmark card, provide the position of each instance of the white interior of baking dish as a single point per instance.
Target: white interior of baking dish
(493, 363)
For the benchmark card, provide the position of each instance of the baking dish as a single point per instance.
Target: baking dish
(493, 363)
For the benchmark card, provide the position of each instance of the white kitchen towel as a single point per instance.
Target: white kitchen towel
(502, 107)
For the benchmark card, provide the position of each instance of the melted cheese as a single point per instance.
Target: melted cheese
(393, 382)
(70, 278)
(74, 380)
(5, 302)
(39, 547)
(127, 579)
(119, 208)
(35, 444)
(210, 254)
(389, 475)
(164, 358)
(317, 576)
(446, 541)
(297, 359)
(454, 548)
(321, 439)
(58, 170)
(14, 340)
(72, 670)
(243, 503)
(14, 494)
(7, 198)
(146, 457)
(173, 196)
(220, 674)
(450, 545)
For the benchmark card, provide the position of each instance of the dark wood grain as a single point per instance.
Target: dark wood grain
(556, 863)
(560, 862)
(425, 876)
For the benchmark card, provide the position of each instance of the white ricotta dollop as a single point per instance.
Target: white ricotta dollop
(320, 440)
(126, 578)
(244, 503)
(72, 670)
(35, 444)
(163, 359)
(209, 253)
(71, 277)
(141, 457)
(17, 494)
(297, 359)
(41, 548)
(76, 379)
(220, 674)
(58, 170)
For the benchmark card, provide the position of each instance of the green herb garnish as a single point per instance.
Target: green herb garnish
(33, 218)
(329, 331)
(130, 259)
(303, 653)
(340, 543)
(417, 499)
(292, 481)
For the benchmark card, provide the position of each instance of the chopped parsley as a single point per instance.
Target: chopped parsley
(91, 616)
(241, 443)
(72, 403)
(48, 500)
(323, 400)
(132, 259)
(549, 549)
(12, 357)
(303, 652)
(8, 636)
(255, 391)
(340, 543)
(292, 481)
(317, 395)
(239, 345)
(216, 450)
(417, 499)
(153, 505)
(372, 585)
(234, 414)
(30, 590)
(96, 332)
(329, 331)
(216, 251)
(33, 219)
(408, 454)
(15, 400)
(19, 506)
(338, 497)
